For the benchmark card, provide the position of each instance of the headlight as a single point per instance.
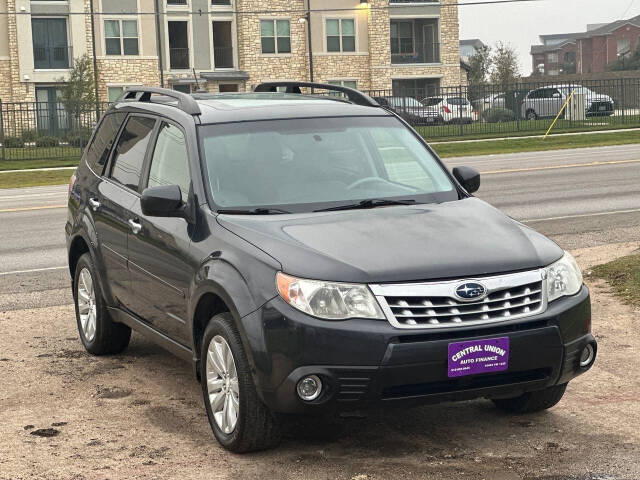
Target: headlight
(563, 278)
(328, 300)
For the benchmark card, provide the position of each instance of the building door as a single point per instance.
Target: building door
(429, 44)
(50, 48)
(52, 118)
(179, 45)
(222, 45)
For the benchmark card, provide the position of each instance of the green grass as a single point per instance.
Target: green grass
(481, 130)
(623, 275)
(46, 163)
(34, 179)
(490, 147)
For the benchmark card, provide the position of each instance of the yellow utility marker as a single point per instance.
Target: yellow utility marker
(564, 107)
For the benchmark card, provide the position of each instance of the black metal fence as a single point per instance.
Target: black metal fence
(526, 108)
(46, 130)
(52, 130)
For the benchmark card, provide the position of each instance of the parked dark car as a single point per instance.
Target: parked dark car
(311, 255)
(411, 110)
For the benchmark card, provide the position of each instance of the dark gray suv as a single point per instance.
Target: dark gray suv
(309, 255)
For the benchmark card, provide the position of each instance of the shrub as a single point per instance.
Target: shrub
(30, 135)
(78, 138)
(46, 142)
(13, 142)
(495, 115)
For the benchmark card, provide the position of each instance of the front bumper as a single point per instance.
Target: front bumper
(364, 363)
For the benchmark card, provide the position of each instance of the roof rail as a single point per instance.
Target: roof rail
(353, 95)
(186, 103)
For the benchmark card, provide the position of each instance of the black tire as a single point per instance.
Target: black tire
(110, 337)
(256, 428)
(531, 115)
(532, 401)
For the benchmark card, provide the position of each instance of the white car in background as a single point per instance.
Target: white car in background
(451, 109)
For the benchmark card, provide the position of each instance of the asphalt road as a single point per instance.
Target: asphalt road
(580, 198)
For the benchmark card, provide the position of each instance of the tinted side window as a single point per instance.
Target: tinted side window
(98, 151)
(130, 151)
(170, 163)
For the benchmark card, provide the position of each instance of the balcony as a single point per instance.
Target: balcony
(179, 58)
(223, 57)
(52, 58)
(426, 53)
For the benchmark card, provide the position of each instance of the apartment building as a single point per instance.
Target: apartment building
(228, 45)
(591, 51)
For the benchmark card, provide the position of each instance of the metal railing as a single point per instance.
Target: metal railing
(50, 130)
(46, 130)
(52, 58)
(513, 109)
(179, 58)
(223, 57)
(425, 53)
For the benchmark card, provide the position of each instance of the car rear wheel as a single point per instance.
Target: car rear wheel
(532, 401)
(238, 418)
(99, 334)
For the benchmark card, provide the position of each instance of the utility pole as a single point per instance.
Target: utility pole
(309, 41)
(159, 42)
(95, 62)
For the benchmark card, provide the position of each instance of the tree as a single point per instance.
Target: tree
(505, 69)
(627, 62)
(77, 93)
(480, 64)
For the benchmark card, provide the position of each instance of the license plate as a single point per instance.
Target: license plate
(478, 356)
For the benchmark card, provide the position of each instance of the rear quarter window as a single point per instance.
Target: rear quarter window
(98, 151)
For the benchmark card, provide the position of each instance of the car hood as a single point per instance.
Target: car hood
(459, 239)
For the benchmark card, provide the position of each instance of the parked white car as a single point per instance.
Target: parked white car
(451, 109)
(548, 101)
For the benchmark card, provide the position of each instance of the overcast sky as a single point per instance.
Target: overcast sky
(521, 23)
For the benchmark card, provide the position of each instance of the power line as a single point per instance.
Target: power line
(292, 11)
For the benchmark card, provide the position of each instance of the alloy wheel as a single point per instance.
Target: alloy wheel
(87, 304)
(222, 384)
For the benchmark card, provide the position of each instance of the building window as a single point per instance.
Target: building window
(218, 3)
(50, 49)
(624, 47)
(113, 93)
(552, 57)
(222, 44)
(275, 36)
(184, 88)
(401, 37)
(341, 35)
(121, 37)
(344, 83)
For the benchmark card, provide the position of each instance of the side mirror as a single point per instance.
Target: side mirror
(557, 95)
(468, 177)
(163, 201)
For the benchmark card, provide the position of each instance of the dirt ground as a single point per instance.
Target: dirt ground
(65, 414)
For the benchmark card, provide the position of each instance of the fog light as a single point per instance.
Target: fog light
(309, 388)
(586, 358)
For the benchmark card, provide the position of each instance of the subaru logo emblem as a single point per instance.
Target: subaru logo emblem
(471, 291)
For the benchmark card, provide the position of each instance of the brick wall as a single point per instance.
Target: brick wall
(118, 71)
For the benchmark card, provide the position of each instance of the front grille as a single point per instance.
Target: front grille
(601, 107)
(435, 305)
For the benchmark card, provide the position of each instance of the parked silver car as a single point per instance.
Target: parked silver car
(548, 101)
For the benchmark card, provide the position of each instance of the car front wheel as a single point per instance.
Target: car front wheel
(238, 418)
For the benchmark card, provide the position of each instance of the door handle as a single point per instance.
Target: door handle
(135, 227)
(94, 204)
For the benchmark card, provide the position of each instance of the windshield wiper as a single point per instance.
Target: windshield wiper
(253, 211)
(371, 203)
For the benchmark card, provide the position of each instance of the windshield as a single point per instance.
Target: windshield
(308, 164)
(404, 102)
